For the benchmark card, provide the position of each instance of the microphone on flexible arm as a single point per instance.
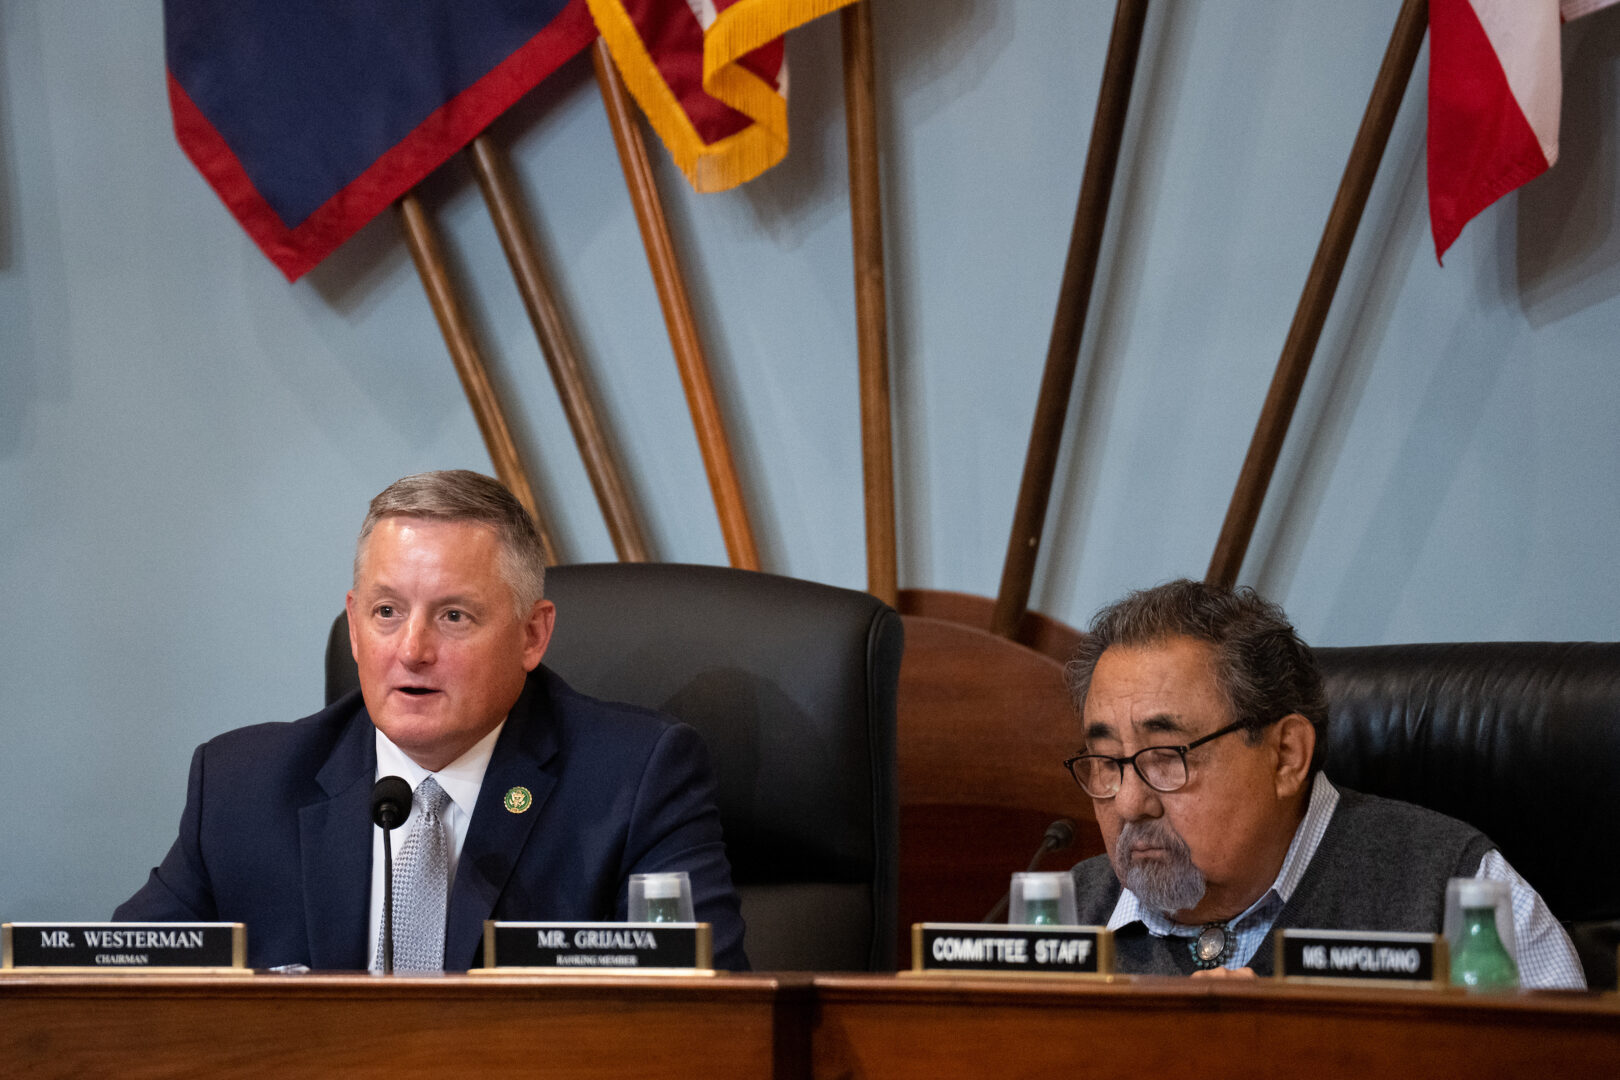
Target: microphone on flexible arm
(390, 806)
(1059, 835)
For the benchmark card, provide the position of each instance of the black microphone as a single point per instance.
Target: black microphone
(1059, 835)
(390, 806)
(390, 802)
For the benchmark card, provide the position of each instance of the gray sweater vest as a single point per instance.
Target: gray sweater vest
(1382, 865)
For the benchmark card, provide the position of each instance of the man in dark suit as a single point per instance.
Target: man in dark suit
(554, 798)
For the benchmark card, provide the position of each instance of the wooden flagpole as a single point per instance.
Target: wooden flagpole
(428, 254)
(871, 311)
(1317, 297)
(507, 210)
(678, 318)
(1074, 297)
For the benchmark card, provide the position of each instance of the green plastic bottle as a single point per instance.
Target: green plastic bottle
(1479, 960)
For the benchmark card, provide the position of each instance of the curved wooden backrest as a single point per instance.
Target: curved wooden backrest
(984, 726)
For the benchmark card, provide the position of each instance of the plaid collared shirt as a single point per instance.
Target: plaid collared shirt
(1542, 950)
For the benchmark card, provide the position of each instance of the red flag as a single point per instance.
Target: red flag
(711, 77)
(1495, 87)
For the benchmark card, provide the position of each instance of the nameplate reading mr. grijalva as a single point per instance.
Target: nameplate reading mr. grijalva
(1362, 956)
(124, 946)
(1069, 950)
(618, 946)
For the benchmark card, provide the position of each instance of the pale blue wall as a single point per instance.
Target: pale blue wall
(187, 443)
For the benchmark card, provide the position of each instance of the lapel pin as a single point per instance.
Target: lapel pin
(517, 799)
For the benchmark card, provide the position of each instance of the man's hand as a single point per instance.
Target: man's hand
(1225, 973)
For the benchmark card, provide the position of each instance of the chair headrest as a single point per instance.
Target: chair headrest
(1519, 739)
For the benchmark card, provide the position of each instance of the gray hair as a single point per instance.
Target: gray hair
(1262, 667)
(462, 495)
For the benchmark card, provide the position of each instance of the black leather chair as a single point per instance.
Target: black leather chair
(1519, 739)
(792, 685)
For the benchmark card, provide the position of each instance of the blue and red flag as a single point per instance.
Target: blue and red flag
(309, 117)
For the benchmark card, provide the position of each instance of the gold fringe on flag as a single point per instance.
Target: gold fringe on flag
(736, 31)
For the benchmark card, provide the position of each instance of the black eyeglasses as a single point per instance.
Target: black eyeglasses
(1162, 768)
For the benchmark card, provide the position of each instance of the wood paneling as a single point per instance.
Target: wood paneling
(357, 1026)
(1202, 1030)
(741, 1026)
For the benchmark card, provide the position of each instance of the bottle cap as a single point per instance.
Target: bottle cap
(663, 886)
(1476, 894)
(1041, 887)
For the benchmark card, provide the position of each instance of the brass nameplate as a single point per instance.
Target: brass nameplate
(663, 948)
(157, 948)
(1035, 950)
(1362, 956)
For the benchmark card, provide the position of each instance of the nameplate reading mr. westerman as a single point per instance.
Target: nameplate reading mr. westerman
(163, 948)
(619, 947)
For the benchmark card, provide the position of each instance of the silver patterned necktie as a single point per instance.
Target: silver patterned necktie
(422, 886)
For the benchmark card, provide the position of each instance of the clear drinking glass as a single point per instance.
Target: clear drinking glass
(1042, 899)
(661, 898)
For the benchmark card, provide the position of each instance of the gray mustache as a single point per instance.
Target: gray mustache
(1150, 834)
(1171, 886)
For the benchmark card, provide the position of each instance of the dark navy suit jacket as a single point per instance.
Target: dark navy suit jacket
(276, 832)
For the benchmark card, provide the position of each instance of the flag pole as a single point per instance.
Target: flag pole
(871, 313)
(428, 254)
(1334, 248)
(507, 210)
(741, 548)
(1074, 297)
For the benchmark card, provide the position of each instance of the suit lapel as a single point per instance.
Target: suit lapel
(496, 835)
(335, 840)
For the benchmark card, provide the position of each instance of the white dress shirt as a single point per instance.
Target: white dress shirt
(461, 780)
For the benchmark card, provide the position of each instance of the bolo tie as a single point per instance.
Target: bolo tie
(1209, 947)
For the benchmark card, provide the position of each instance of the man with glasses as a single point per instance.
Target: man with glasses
(1202, 713)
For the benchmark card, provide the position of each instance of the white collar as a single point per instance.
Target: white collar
(1319, 809)
(461, 779)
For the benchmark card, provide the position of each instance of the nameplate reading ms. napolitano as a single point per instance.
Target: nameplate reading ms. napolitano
(1362, 956)
(121, 947)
